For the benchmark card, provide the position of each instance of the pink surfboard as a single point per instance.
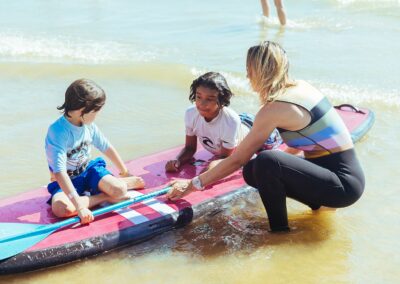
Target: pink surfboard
(138, 222)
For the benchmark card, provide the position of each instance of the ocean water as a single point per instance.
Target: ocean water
(145, 55)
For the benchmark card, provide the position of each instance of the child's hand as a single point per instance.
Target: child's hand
(172, 166)
(85, 215)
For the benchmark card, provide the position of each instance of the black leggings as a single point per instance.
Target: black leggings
(336, 180)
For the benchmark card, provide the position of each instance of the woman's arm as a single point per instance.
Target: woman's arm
(262, 128)
(224, 153)
(270, 116)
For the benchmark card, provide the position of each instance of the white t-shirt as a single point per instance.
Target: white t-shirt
(225, 130)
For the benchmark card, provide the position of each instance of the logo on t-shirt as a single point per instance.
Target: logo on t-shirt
(207, 141)
(79, 155)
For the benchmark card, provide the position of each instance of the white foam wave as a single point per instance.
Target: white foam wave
(304, 24)
(368, 97)
(19, 47)
(338, 94)
(236, 82)
(273, 22)
(350, 2)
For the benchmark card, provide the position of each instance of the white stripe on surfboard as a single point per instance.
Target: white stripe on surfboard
(132, 215)
(137, 218)
(153, 203)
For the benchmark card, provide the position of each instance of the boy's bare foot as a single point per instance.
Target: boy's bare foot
(134, 182)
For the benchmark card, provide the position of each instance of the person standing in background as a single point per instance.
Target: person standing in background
(280, 10)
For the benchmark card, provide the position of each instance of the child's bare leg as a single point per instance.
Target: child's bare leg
(280, 10)
(265, 8)
(133, 182)
(63, 207)
(114, 187)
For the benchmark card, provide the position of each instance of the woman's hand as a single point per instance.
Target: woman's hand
(172, 166)
(179, 189)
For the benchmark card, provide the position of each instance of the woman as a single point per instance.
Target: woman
(329, 175)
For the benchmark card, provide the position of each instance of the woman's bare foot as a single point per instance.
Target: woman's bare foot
(324, 208)
(134, 182)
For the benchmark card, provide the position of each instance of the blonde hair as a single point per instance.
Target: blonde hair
(268, 70)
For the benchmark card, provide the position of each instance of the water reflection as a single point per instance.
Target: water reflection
(241, 227)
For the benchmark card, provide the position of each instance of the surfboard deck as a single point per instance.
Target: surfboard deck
(138, 222)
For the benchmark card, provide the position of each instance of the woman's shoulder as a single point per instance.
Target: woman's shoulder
(275, 108)
(302, 86)
(302, 94)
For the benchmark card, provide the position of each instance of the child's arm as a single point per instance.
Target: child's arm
(224, 153)
(66, 185)
(115, 158)
(102, 144)
(184, 155)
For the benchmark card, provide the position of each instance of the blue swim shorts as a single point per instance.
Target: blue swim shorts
(87, 182)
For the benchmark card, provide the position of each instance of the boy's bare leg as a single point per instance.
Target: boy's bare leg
(115, 188)
(265, 8)
(63, 207)
(118, 187)
(280, 10)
